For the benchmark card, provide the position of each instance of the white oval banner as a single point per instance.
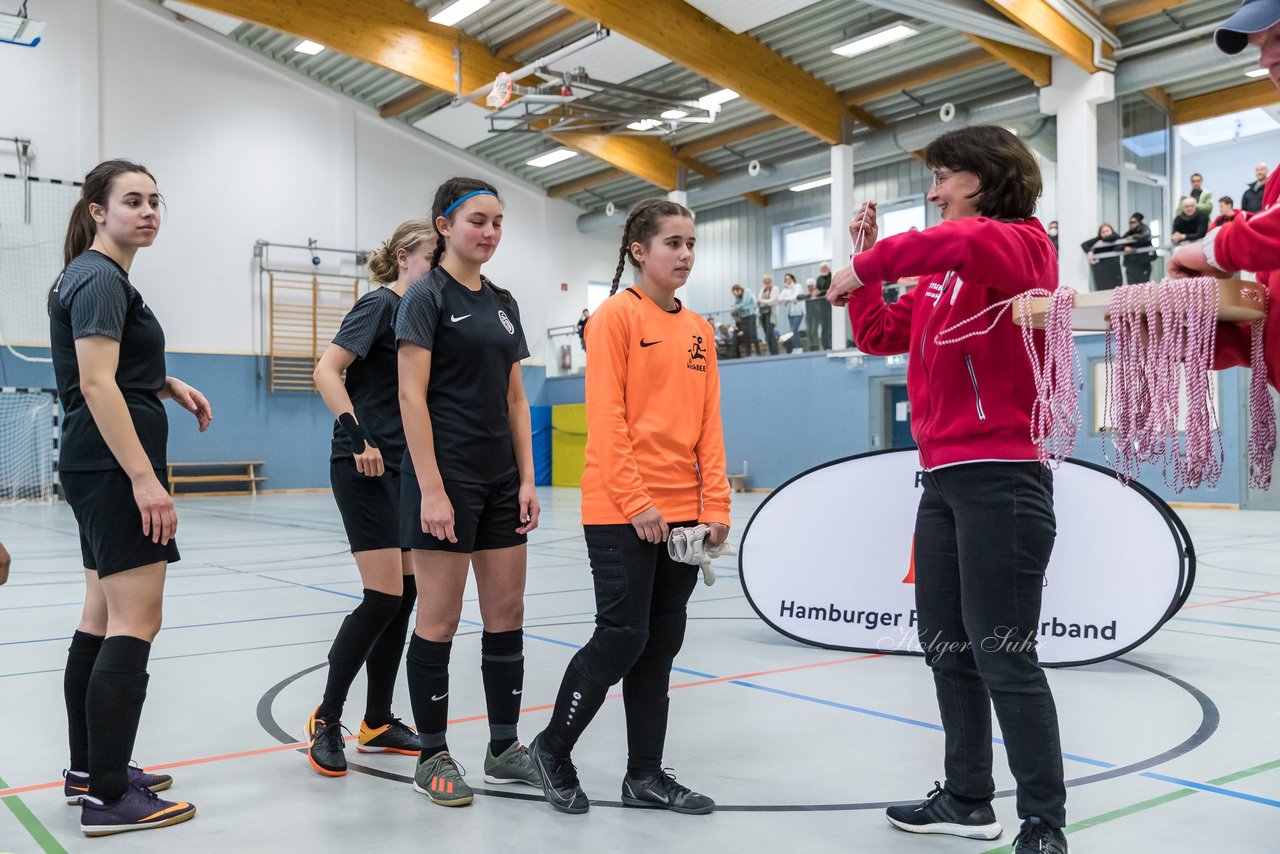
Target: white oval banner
(827, 560)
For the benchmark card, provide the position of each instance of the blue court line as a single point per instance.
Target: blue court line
(1206, 787)
(1226, 623)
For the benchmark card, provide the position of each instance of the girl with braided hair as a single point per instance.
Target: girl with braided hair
(655, 461)
(467, 492)
(364, 469)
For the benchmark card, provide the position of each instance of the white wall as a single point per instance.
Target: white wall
(243, 149)
(1228, 166)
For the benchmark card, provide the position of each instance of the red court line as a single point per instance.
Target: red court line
(280, 748)
(1229, 601)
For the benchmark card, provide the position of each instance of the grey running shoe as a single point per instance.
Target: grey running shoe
(940, 812)
(515, 765)
(661, 791)
(559, 780)
(440, 779)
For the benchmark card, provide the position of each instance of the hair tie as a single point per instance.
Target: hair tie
(462, 199)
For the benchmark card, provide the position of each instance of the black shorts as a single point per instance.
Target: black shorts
(111, 538)
(370, 506)
(485, 516)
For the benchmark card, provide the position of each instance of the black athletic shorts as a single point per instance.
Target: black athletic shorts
(485, 516)
(111, 538)
(370, 506)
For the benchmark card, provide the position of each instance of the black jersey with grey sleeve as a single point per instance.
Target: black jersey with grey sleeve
(474, 337)
(368, 333)
(93, 297)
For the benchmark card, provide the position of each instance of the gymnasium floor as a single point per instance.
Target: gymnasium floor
(1175, 748)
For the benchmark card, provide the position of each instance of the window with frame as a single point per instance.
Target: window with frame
(805, 241)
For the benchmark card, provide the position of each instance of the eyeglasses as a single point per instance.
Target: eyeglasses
(940, 175)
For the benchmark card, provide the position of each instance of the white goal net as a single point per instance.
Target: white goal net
(33, 225)
(28, 445)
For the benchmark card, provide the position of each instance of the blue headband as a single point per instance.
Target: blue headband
(454, 206)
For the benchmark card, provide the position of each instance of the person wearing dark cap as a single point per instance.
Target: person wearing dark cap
(1250, 241)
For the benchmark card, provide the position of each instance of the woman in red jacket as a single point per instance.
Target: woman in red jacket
(985, 527)
(1250, 241)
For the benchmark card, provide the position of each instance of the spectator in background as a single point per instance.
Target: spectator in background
(1251, 201)
(4, 564)
(1104, 256)
(789, 305)
(824, 308)
(1226, 211)
(1053, 233)
(1138, 256)
(745, 303)
(1190, 225)
(811, 300)
(582, 329)
(1204, 200)
(767, 300)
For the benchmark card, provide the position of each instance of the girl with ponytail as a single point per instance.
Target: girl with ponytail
(655, 461)
(467, 491)
(108, 358)
(368, 432)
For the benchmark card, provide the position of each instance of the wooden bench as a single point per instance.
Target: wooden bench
(237, 472)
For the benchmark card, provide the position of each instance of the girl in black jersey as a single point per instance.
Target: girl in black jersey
(108, 357)
(368, 431)
(467, 494)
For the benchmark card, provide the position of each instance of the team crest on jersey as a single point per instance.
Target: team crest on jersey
(506, 322)
(697, 353)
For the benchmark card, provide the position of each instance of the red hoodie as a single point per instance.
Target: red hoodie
(1252, 242)
(970, 401)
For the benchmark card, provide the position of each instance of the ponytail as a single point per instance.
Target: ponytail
(96, 190)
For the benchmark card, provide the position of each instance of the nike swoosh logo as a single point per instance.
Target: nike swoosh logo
(644, 343)
(662, 798)
(455, 319)
(517, 693)
(434, 698)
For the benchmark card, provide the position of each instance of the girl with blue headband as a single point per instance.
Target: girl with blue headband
(467, 487)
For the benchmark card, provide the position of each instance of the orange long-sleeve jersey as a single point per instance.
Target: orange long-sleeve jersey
(654, 437)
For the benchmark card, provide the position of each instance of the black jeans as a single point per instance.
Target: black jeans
(766, 326)
(984, 533)
(641, 599)
(750, 335)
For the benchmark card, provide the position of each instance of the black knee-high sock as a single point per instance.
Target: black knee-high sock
(384, 659)
(576, 704)
(113, 704)
(427, 666)
(356, 637)
(81, 655)
(502, 669)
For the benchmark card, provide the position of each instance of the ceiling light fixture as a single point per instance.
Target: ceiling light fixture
(877, 39)
(455, 12)
(811, 185)
(310, 48)
(552, 157)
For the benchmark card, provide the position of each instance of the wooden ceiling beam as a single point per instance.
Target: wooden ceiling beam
(1048, 24)
(397, 35)
(697, 42)
(1036, 66)
(1260, 93)
(1123, 13)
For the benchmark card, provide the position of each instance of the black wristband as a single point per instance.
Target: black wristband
(357, 433)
